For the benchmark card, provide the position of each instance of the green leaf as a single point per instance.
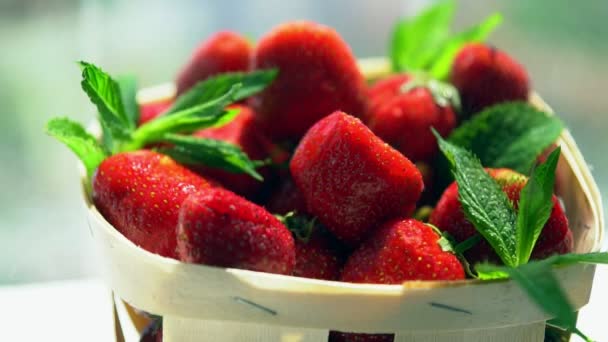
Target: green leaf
(204, 115)
(442, 63)
(251, 83)
(211, 153)
(414, 41)
(535, 205)
(510, 135)
(83, 144)
(538, 281)
(483, 202)
(105, 94)
(128, 93)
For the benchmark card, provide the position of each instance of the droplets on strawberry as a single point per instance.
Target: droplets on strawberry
(219, 228)
(140, 194)
(350, 179)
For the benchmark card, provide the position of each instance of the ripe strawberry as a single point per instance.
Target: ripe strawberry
(319, 257)
(350, 179)
(222, 52)
(398, 251)
(286, 198)
(318, 254)
(403, 115)
(140, 193)
(152, 110)
(485, 76)
(219, 228)
(318, 74)
(244, 132)
(555, 238)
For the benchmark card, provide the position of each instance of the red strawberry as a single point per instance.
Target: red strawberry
(385, 89)
(403, 117)
(350, 179)
(222, 52)
(398, 251)
(318, 254)
(152, 110)
(555, 238)
(319, 257)
(485, 76)
(140, 194)
(318, 74)
(286, 198)
(245, 133)
(401, 250)
(219, 228)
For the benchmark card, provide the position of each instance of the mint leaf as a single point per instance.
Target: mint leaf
(535, 205)
(251, 83)
(128, 93)
(83, 144)
(510, 135)
(483, 202)
(442, 63)
(538, 281)
(414, 41)
(105, 94)
(188, 120)
(211, 153)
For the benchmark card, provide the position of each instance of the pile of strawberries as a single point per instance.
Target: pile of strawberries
(349, 165)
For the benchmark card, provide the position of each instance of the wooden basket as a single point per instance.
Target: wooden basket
(201, 303)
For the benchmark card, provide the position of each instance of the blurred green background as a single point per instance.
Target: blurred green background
(43, 230)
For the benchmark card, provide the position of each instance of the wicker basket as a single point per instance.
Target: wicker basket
(201, 303)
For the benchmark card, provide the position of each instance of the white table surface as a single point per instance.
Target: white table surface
(80, 310)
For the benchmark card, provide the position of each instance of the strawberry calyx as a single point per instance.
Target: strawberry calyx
(444, 94)
(301, 226)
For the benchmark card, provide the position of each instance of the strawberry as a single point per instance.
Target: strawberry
(318, 254)
(318, 74)
(140, 192)
(403, 114)
(400, 250)
(555, 238)
(318, 257)
(352, 180)
(244, 132)
(286, 198)
(152, 110)
(219, 228)
(485, 76)
(224, 51)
